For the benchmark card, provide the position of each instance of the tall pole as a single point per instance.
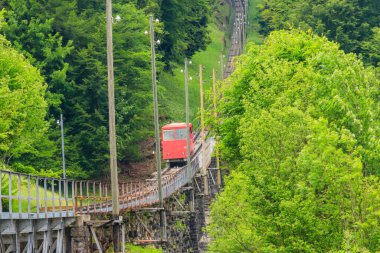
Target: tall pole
(218, 176)
(246, 19)
(157, 132)
(63, 147)
(112, 130)
(189, 176)
(204, 168)
(221, 67)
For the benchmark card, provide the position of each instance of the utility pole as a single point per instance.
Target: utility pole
(63, 156)
(204, 169)
(63, 147)
(157, 132)
(188, 171)
(221, 67)
(218, 176)
(112, 131)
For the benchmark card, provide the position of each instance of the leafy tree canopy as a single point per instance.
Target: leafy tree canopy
(300, 130)
(185, 28)
(351, 23)
(23, 108)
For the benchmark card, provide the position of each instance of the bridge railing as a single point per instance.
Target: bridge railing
(25, 196)
(137, 194)
(92, 196)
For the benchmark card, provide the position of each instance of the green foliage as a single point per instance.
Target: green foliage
(186, 28)
(300, 128)
(66, 40)
(31, 32)
(88, 103)
(348, 22)
(173, 97)
(22, 107)
(137, 249)
(253, 18)
(371, 48)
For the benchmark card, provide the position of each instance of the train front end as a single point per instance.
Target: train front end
(173, 140)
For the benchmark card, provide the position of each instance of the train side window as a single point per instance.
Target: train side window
(180, 134)
(168, 135)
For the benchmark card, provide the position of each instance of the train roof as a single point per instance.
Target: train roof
(175, 125)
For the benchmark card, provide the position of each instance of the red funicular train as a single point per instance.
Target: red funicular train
(173, 140)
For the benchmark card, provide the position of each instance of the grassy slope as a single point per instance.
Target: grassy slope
(253, 22)
(174, 97)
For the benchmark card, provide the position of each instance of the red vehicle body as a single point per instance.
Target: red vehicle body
(173, 140)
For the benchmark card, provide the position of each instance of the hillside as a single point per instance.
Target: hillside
(66, 41)
(173, 108)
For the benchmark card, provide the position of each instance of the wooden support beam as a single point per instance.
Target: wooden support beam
(177, 213)
(2, 247)
(145, 226)
(183, 208)
(123, 238)
(145, 242)
(98, 245)
(149, 210)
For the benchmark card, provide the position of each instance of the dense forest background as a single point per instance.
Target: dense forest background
(65, 40)
(354, 24)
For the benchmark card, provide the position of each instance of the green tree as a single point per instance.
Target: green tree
(371, 47)
(87, 103)
(30, 30)
(23, 108)
(348, 22)
(185, 28)
(301, 118)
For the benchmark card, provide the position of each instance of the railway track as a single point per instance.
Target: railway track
(238, 34)
(144, 193)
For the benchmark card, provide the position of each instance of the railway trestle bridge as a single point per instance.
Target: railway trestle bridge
(39, 214)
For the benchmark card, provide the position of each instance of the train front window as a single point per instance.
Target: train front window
(168, 135)
(180, 134)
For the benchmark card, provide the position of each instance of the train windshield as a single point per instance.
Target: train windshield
(180, 134)
(168, 135)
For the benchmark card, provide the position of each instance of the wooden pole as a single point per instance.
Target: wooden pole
(221, 67)
(112, 129)
(204, 169)
(157, 131)
(218, 176)
(188, 171)
(63, 147)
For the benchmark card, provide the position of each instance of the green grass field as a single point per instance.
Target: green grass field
(130, 248)
(137, 249)
(175, 84)
(253, 22)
